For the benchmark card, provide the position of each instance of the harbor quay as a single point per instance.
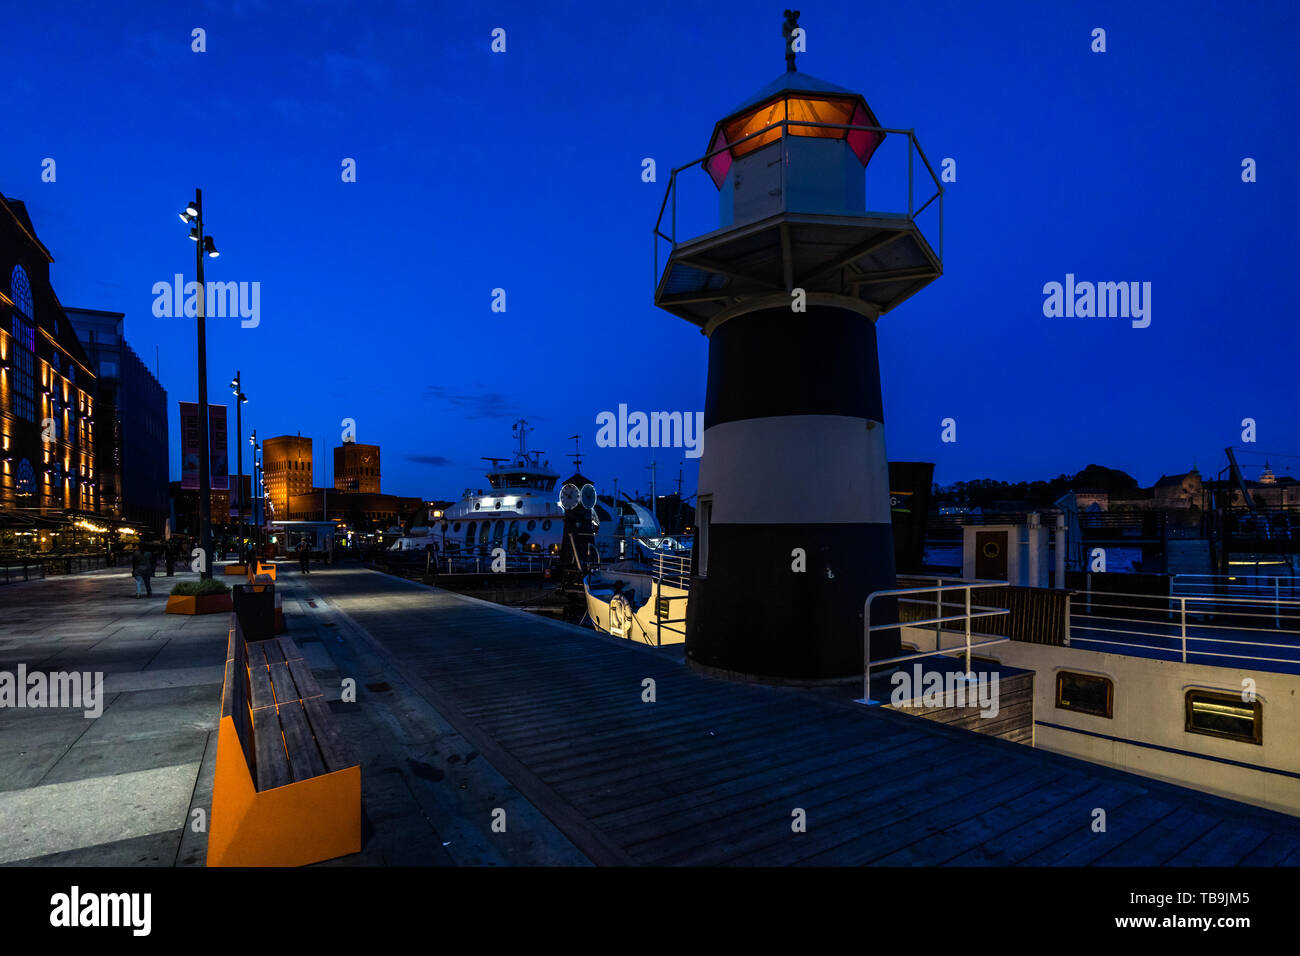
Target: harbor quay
(489, 736)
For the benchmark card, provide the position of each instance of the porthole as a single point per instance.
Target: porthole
(532, 525)
(546, 525)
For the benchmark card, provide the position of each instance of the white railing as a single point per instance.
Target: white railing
(1184, 616)
(971, 613)
(1248, 583)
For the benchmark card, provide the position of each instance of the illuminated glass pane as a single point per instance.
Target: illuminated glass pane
(863, 142)
(1224, 715)
(721, 163)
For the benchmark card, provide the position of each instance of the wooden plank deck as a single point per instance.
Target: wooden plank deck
(712, 771)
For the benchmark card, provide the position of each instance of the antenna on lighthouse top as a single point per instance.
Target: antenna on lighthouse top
(576, 454)
(787, 30)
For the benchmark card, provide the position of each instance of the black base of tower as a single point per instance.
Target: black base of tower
(755, 616)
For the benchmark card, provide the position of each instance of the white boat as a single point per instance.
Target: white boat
(641, 601)
(518, 511)
(1199, 688)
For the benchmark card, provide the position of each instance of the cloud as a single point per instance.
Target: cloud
(436, 460)
(485, 404)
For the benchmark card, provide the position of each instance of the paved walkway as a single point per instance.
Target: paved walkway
(716, 772)
(119, 789)
(116, 789)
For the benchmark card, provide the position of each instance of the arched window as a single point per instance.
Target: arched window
(23, 358)
(20, 290)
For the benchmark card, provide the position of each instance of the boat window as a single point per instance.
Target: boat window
(1085, 693)
(483, 532)
(546, 525)
(532, 525)
(1219, 714)
(469, 533)
(456, 527)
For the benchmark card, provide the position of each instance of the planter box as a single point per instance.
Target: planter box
(199, 604)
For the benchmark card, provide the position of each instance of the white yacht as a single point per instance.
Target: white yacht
(518, 510)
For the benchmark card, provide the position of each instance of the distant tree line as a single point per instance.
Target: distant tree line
(988, 493)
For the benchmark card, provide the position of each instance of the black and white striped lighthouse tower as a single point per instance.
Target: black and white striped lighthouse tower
(793, 521)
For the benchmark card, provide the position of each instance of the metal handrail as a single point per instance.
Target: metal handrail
(783, 125)
(939, 591)
(1183, 624)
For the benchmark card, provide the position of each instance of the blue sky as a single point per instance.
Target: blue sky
(522, 171)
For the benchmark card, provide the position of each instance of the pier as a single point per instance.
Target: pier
(713, 772)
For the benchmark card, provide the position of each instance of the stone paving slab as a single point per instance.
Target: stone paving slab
(116, 789)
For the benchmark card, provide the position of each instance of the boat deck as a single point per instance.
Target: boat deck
(714, 772)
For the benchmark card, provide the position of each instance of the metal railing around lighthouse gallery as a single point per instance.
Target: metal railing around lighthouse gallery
(913, 149)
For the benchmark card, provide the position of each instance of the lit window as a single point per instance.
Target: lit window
(1085, 693)
(1218, 714)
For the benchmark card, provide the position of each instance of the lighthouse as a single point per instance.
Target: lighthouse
(793, 516)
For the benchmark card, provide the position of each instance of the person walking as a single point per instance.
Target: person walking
(304, 555)
(169, 557)
(149, 562)
(137, 571)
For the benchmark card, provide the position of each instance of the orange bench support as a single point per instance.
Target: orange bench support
(306, 821)
(303, 822)
(255, 571)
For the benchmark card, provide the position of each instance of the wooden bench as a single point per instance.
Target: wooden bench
(287, 790)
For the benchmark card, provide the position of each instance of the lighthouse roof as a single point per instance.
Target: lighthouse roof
(794, 83)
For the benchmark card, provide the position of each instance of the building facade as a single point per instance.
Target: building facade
(356, 509)
(286, 471)
(356, 468)
(48, 401)
(131, 445)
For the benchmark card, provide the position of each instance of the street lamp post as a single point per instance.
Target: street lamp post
(254, 484)
(203, 245)
(240, 399)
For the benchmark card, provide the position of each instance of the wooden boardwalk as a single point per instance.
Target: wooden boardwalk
(713, 772)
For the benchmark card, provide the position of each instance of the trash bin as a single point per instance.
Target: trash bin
(255, 608)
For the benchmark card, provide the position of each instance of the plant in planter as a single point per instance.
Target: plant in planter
(199, 597)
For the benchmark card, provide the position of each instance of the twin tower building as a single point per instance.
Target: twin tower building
(793, 516)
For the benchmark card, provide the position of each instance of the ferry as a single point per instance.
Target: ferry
(518, 510)
(521, 511)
